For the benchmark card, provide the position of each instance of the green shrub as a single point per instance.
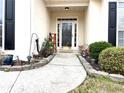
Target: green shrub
(112, 60)
(96, 47)
(47, 48)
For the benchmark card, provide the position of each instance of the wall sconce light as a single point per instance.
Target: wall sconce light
(66, 8)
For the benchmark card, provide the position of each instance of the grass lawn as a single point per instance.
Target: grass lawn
(99, 85)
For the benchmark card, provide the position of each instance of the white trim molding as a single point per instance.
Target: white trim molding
(73, 32)
(58, 3)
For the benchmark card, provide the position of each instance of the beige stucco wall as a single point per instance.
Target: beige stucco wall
(67, 14)
(93, 22)
(40, 21)
(96, 21)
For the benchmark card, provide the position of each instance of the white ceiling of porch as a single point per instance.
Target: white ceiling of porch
(62, 3)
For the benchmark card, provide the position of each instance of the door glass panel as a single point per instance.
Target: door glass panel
(1, 21)
(66, 34)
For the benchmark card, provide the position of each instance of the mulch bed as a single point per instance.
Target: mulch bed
(18, 62)
(95, 64)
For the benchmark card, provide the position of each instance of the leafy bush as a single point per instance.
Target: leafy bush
(112, 60)
(96, 47)
(47, 48)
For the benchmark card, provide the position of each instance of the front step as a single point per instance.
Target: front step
(67, 50)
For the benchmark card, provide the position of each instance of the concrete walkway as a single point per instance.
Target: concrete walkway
(61, 75)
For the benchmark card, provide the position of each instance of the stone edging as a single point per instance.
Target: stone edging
(92, 72)
(43, 62)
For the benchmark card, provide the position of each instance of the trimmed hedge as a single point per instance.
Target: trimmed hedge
(96, 47)
(112, 60)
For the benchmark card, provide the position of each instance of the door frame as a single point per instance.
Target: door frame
(60, 33)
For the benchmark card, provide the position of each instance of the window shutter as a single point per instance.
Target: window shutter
(112, 23)
(9, 24)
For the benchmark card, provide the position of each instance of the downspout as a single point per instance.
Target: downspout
(29, 56)
(30, 26)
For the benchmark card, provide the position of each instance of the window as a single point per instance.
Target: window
(121, 38)
(121, 24)
(1, 21)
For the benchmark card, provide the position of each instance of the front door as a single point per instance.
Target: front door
(67, 34)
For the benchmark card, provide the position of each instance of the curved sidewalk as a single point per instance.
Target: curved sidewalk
(61, 75)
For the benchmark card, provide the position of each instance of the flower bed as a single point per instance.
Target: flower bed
(45, 54)
(25, 65)
(103, 58)
(93, 72)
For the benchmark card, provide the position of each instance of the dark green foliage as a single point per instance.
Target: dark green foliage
(96, 47)
(47, 48)
(112, 60)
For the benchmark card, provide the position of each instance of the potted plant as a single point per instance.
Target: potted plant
(8, 60)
